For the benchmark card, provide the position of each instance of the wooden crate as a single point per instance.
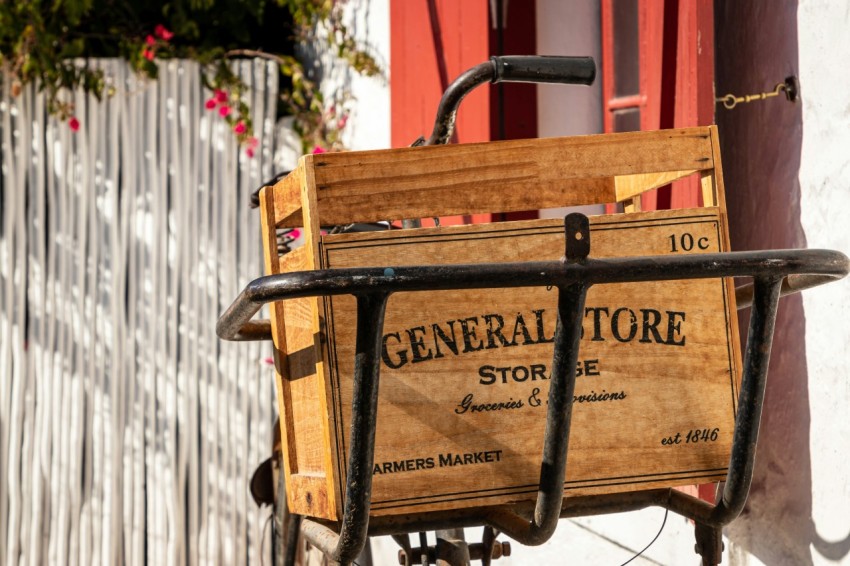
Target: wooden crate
(464, 376)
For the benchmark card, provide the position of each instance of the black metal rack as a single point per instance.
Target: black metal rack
(774, 273)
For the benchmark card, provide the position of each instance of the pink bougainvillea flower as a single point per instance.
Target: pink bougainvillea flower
(253, 142)
(150, 40)
(268, 361)
(148, 54)
(74, 124)
(318, 149)
(224, 110)
(210, 104)
(220, 95)
(296, 233)
(249, 151)
(162, 32)
(239, 128)
(342, 121)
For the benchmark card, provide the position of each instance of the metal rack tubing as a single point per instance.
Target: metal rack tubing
(573, 275)
(509, 68)
(818, 267)
(347, 545)
(750, 403)
(550, 492)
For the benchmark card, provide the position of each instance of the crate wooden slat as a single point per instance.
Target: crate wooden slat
(694, 385)
(303, 395)
(368, 186)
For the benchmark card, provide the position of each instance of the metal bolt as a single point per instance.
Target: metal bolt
(506, 549)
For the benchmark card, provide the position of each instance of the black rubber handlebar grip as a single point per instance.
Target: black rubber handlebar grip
(544, 69)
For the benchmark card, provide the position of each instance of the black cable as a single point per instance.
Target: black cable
(664, 522)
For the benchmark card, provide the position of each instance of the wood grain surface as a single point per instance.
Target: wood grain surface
(657, 361)
(465, 373)
(505, 176)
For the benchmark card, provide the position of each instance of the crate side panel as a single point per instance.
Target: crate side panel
(303, 375)
(287, 198)
(300, 377)
(465, 373)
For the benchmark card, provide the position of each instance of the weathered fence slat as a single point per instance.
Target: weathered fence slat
(127, 431)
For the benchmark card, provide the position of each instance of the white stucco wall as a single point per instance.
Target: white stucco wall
(369, 123)
(824, 48)
(366, 98)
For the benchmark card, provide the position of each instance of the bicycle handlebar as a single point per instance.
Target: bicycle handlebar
(509, 68)
(543, 69)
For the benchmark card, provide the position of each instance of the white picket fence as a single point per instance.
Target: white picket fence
(128, 431)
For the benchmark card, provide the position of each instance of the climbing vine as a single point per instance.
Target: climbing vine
(43, 42)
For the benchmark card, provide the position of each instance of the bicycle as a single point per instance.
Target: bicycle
(774, 273)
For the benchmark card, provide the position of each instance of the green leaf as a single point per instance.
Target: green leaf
(38, 38)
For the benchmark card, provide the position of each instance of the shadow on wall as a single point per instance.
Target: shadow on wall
(761, 143)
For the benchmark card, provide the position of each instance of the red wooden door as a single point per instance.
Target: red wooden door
(434, 41)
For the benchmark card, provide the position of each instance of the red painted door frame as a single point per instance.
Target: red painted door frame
(676, 78)
(431, 43)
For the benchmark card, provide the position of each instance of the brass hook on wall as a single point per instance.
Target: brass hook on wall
(790, 86)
